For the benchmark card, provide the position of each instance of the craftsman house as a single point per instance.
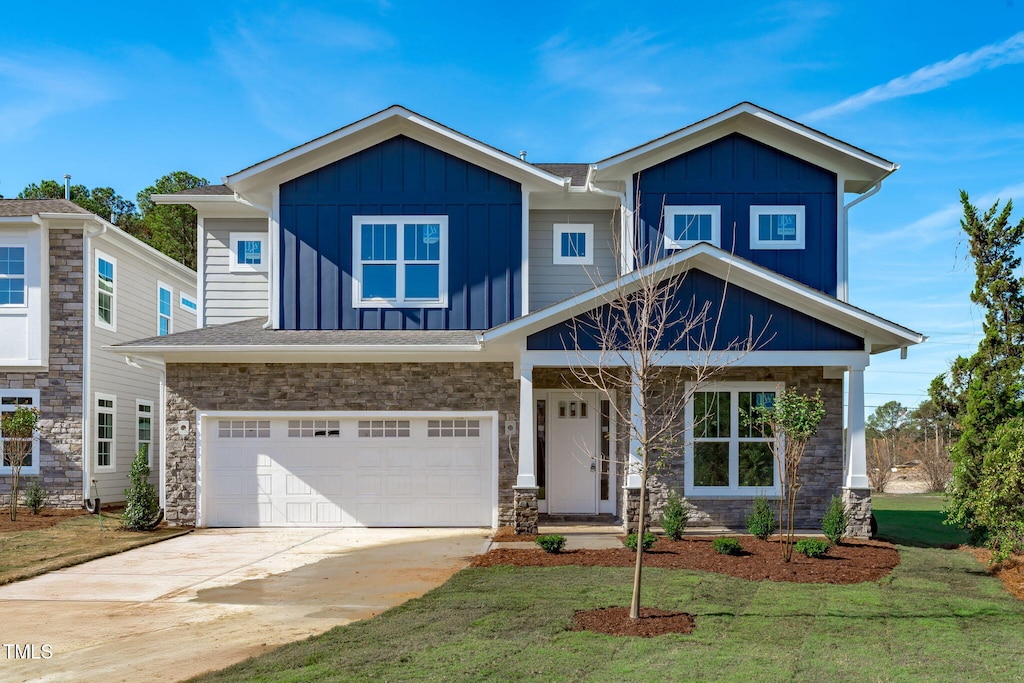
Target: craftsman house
(385, 320)
(71, 284)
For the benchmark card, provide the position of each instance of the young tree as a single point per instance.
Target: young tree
(986, 390)
(142, 506)
(644, 316)
(788, 424)
(172, 228)
(18, 428)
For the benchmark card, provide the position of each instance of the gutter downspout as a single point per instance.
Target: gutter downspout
(87, 321)
(626, 258)
(160, 366)
(270, 254)
(845, 295)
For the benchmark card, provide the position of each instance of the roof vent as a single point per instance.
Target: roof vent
(522, 154)
(67, 186)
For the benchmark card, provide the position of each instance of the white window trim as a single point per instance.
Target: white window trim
(671, 212)
(170, 303)
(34, 467)
(733, 490)
(112, 467)
(399, 301)
(182, 298)
(234, 266)
(152, 428)
(112, 325)
(756, 211)
(23, 277)
(556, 244)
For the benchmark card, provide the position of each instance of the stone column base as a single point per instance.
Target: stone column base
(524, 509)
(858, 506)
(631, 510)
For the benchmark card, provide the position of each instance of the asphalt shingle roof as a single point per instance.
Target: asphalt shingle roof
(207, 190)
(578, 172)
(251, 333)
(30, 207)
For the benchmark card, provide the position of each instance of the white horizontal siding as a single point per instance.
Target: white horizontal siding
(550, 283)
(227, 296)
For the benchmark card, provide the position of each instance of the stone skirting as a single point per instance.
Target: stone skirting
(631, 510)
(60, 387)
(524, 509)
(858, 506)
(192, 388)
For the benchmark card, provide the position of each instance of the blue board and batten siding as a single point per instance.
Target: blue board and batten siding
(401, 176)
(746, 314)
(735, 172)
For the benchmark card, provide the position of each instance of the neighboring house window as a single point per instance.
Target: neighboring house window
(777, 227)
(400, 261)
(686, 226)
(243, 429)
(144, 428)
(11, 400)
(573, 243)
(106, 291)
(163, 309)
(454, 428)
(313, 428)
(725, 452)
(377, 429)
(106, 407)
(248, 252)
(188, 304)
(12, 276)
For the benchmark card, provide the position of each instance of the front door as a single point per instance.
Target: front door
(572, 453)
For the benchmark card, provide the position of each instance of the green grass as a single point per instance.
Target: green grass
(915, 520)
(938, 617)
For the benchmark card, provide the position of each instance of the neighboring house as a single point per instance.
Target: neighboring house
(70, 284)
(386, 309)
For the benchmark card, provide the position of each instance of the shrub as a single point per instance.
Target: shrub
(726, 546)
(551, 543)
(141, 504)
(35, 497)
(649, 541)
(812, 547)
(761, 521)
(674, 516)
(835, 520)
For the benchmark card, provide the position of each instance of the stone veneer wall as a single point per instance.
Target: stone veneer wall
(821, 469)
(60, 388)
(326, 386)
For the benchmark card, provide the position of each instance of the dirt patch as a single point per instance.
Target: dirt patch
(46, 518)
(852, 562)
(507, 534)
(615, 621)
(1011, 572)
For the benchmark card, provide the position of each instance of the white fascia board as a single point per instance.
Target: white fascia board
(738, 119)
(375, 129)
(735, 271)
(858, 360)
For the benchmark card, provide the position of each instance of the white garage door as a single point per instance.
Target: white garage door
(323, 471)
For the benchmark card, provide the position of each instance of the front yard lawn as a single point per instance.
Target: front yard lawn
(72, 541)
(915, 519)
(938, 617)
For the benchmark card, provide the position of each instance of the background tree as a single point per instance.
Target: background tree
(172, 228)
(985, 391)
(18, 428)
(102, 201)
(888, 423)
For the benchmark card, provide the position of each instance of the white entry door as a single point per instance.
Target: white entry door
(572, 453)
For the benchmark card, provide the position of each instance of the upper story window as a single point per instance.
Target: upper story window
(11, 400)
(163, 309)
(12, 276)
(188, 304)
(777, 227)
(106, 291)
(400, 261)
(686, 226)
(248, 252)
(573, 243)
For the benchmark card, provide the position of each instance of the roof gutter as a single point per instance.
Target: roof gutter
(626, 246)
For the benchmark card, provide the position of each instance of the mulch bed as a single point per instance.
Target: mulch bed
(507, 534)
(615, 621)
(1010, 572)
(851, 562)
(46, 518)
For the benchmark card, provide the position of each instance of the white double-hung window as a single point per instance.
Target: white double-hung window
(777, 227)
(11, 400)
(12, 276)
(400, 261)
(106, 292)
(686, 226)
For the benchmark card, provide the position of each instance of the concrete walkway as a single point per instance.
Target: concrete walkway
(175, 609)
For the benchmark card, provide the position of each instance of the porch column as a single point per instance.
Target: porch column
(856, 452)
(635, 459)
(524, 504)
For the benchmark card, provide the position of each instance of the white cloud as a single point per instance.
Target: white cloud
(931, 77)
(34, 92)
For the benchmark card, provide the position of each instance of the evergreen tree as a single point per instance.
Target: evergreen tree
(983, 392)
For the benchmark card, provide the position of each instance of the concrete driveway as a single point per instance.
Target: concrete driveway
(203, 601)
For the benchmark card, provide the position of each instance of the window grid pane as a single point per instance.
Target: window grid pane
(314, 428)
(376, 429)
(453, 428)
(250, 252)
(243, 429)
(574, 244)
(711, 464)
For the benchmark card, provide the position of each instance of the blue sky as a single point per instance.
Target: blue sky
(119, 97)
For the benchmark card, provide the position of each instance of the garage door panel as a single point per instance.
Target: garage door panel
(342, 479)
